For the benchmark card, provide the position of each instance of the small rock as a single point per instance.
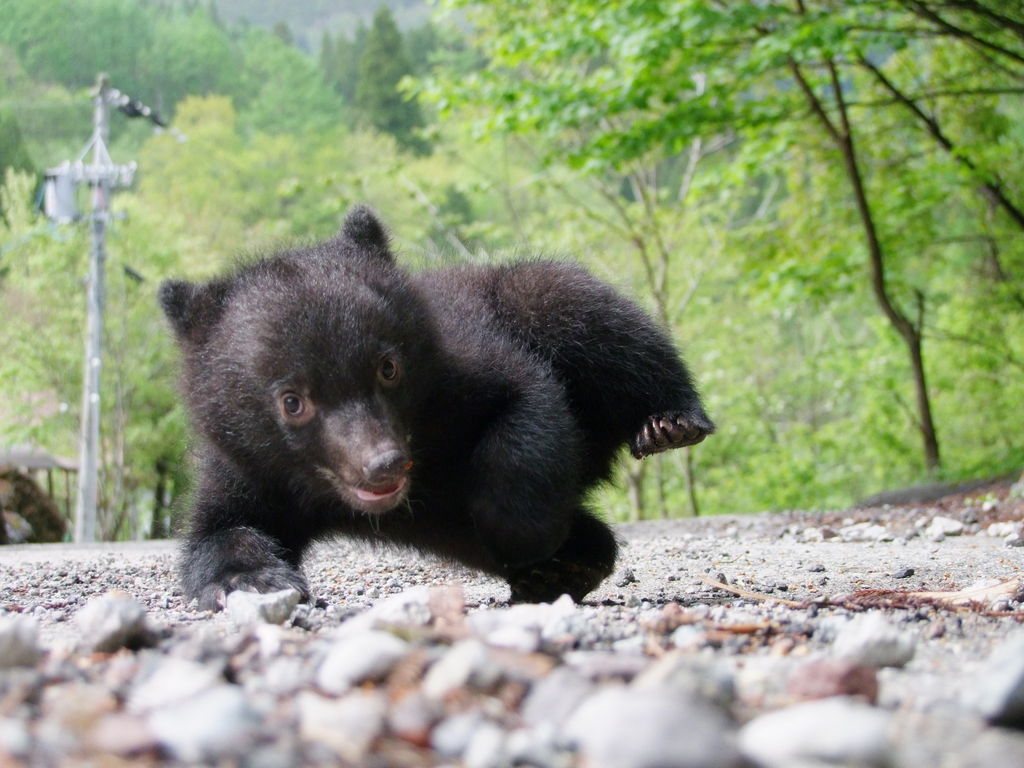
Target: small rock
(467, 662)
(554, 697)
(837, 731)
(408, 608)
(944, 526)
(536, 746)
(485, 748)
(452, 736)
(412, 717)
(15, 739)
(823, 678)
(245, 607)
(903, 573)
(817, 568)
(522, 639)
(548, 620)
(122, 735)
(694, 678)
(19, 642)
(689, 636)
(622, 727)
(172, 681)
(996, 691)
(112, 622)
(871, 639)
(809, 535)
(364, 656)
(215, 723)
(627, 578)
(1002, 530)
(865, 532)
(1015, 541)
(349, 726)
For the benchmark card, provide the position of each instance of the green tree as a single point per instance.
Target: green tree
(602, 86)
(378, 99)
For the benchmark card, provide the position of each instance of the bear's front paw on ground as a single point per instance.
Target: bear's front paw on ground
(546, 582)
(213, 597)
(673, 429)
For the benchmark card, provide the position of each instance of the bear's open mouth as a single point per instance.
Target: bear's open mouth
(377, 494)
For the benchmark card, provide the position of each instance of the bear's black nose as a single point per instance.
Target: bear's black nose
(385, 466)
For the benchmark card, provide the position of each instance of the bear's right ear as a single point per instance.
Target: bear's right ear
(363, 229)
(192, 308)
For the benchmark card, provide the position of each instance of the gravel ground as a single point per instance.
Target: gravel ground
(821, 654)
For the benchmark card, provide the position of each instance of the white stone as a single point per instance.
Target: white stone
(19, 642)
(112, 622)
(365, 656)
(996, 691)
(871, 639)
(245, 607)
(622, 727)
(348, 726)
(839, 731)
(408, 608)
(468, 661)
(944, 526)
(865, 532)
(172, 682)
(1003, 530)
(213, 724)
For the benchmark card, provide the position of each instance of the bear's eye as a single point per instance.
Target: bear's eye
(295, 408)
(388, 371)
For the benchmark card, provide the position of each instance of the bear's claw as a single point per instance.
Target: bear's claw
(213, 597)
(672, 429)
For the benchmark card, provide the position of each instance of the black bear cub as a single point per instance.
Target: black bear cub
(464, 411)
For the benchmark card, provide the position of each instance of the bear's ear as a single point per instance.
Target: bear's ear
(192, 308)
(363, 228)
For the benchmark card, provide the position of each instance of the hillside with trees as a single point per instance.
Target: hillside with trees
(822, 200)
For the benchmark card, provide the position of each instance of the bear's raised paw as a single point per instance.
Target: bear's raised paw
(672, 429)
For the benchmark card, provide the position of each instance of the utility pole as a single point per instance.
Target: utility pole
(102, 176)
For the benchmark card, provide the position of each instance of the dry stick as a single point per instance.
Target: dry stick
(747, 593)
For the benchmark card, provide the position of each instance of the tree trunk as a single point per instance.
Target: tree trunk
(842, 136)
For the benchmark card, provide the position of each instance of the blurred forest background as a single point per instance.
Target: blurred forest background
(822, 199)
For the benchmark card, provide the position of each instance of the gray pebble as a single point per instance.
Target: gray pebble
(871, 639)
(554, 697)
(467, 662)
(19, 642)
(171, 681)
(836, 731)
(214, 723)
(15, 739)
(245, 608)
(348, 726)
(903, 573)
(996, 691)
(452, 736)
(365, 656)
(112, 622)
(621, 727)
(690, 676)
(486, 747)
(943, 526)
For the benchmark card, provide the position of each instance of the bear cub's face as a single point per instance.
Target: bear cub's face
(303, 368)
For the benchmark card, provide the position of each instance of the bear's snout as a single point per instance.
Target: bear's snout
(385, 467)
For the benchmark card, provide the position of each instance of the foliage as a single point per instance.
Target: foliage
(377, 98)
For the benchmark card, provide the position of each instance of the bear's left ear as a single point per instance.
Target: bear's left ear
(362, 228)
(191, 308)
